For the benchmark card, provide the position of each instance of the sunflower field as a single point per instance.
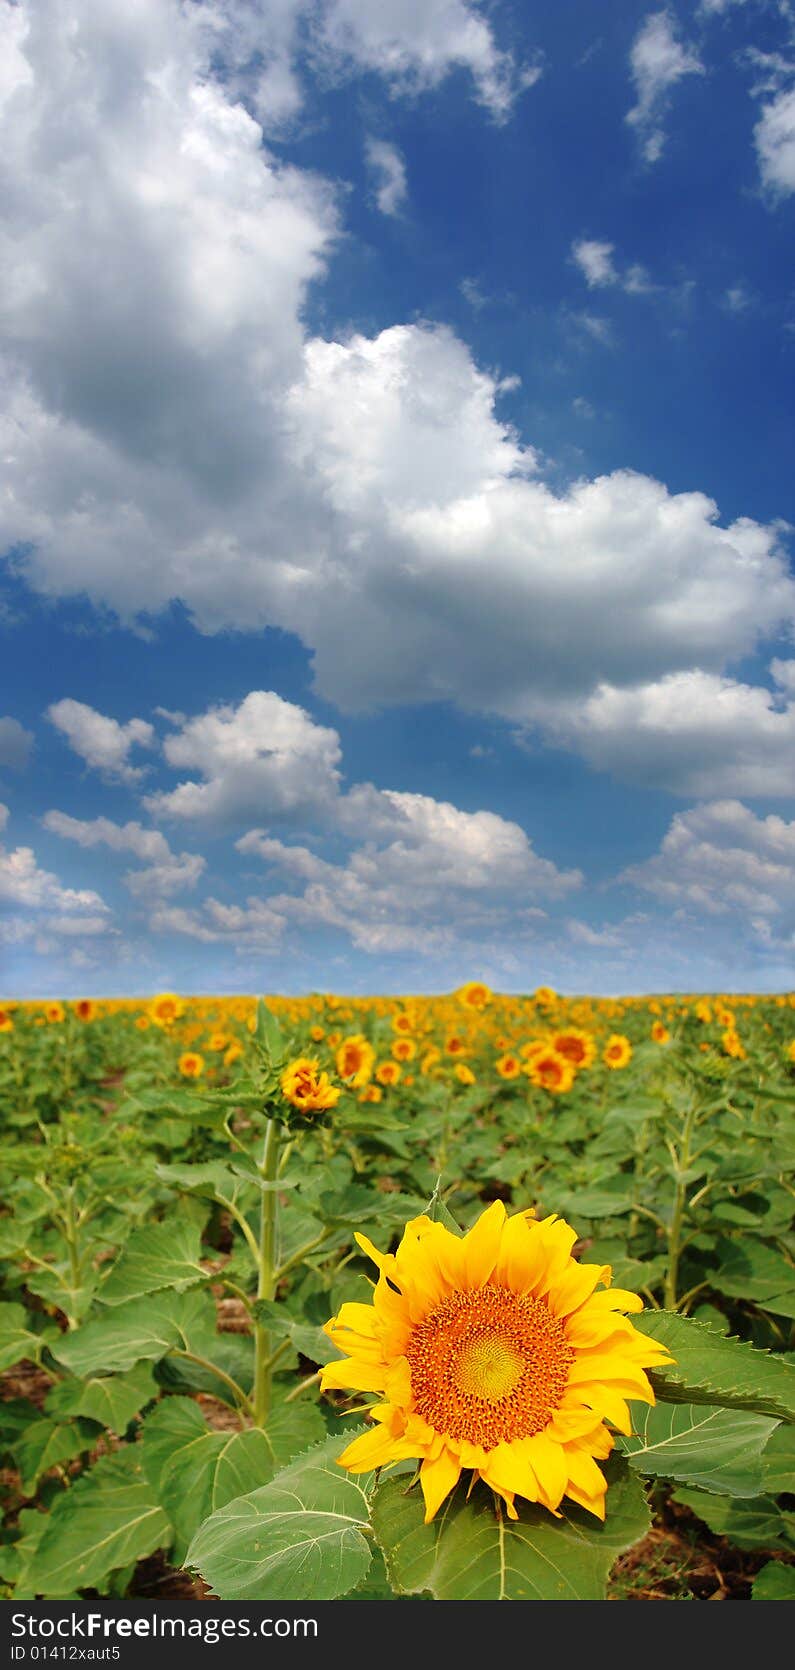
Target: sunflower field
(469, 1298)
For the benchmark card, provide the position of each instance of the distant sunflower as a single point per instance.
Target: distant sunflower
(355, 1058)
(550, 1071)
(617, 1051)
(474, 995)
(494, 1352)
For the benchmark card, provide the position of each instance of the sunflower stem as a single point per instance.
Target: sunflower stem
(675, 1243)
(266, 1275)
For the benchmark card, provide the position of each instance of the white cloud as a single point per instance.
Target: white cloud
(719, 858)
(774, 137)
(24, 884)
(243, 927)
(737, 298)
(265, 758)
(595, 260)
(170, 432)
(166, 871)
(389, 174)
(15, 744)
(428, 875)
(594, 257)
(416, 43)
(657, 62)
(691, 732)
(103, 743)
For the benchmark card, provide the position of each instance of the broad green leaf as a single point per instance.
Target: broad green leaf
(231, 1353)
(17, 1340)
(299, 1538)
(716, 1449)
(138, 1329)
(472, 1552)
(14, 1556)
(778, 1462)
(758, 1523)
(269, 1034)
(46, 1443)
(774, 1582)
(156, 1256)
(194, 1470)
(712, 1369)
(307, 1337)
(751, 1270)
(108, 1518)
(111, 1399)
(292, 1427)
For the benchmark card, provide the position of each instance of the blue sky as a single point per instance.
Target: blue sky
(397, 509)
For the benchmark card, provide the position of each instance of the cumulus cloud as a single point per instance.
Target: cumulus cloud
(774, 138)
(389, 175)
(414, 44)
(253, 925)
(165, 872)
(720, 857)
(23, 883)
(265, 758)
(173, 434)
(658, 60)
(15, 744)
(103, 743)
(692, 732)
(433, 870)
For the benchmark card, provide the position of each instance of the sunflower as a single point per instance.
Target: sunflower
(494, 1352)
(617, 1051)
(463, 1073)
(55, 1013)
(355, 1058)
(6, 1023)
(165, 1009)
(85, 1009)
(306, 1088)
(550, 1071)
(191, 1064)
(474, 995)
(660, 1033)
(577, 1046)
(404, 1049)
(508, 1066)
(388, 1072)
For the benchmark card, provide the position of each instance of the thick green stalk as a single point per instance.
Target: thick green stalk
(675, 1232)
(266, 1277)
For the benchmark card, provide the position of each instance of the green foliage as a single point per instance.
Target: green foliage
(471, 1552)
(302, 1535)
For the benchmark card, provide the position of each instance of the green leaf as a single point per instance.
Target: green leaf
(718, 1449)
(107, 1519)
(712, 1369)
(269, 1034)
(111, 1399)
(138, 1329)
(307, 1337)
(470, 1552)
(45, 1444)
(759, 1523)
(439, 1213)
(157, 1255)
(774, 1582)
(193, 1470)
(778, 1463)
(750, 1270)
(18, 1340)
(299, 1538)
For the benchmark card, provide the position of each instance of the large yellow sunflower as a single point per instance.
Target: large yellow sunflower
(495, 1352)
